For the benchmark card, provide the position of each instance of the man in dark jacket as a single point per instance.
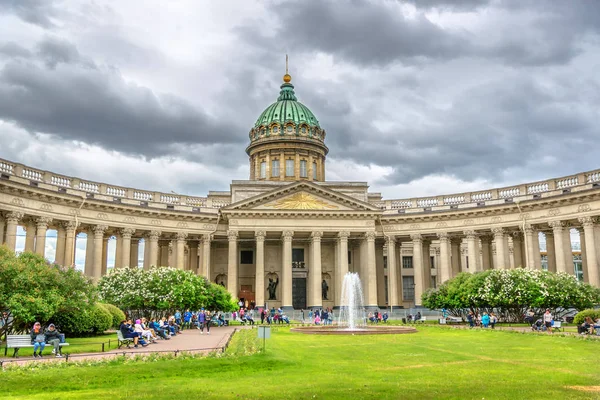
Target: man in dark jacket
(53, 339)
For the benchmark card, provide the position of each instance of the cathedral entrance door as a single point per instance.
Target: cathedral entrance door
(299, 293)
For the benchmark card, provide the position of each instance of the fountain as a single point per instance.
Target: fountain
(352, 319)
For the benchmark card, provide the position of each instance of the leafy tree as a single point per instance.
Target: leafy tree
(161, 291)
(32, 290)
(511, 293)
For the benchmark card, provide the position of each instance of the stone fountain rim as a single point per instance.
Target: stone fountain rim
(368, 330)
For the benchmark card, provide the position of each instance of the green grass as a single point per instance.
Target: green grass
(431, 364)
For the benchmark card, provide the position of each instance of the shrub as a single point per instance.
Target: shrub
(116, 313)
(592, 313)
(102, 319)
(93, 320)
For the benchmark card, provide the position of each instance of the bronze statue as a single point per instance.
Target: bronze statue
(272, 288)
(324, 289)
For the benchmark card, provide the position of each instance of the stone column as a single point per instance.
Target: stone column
(380, 273)
(125, 252)
(61, 237)
(89, 252)
(153, 249)
(181, 238)
(472, 251)
(172, 253)
(12, 221)
(193, 263)
(530, 245)
(455, 253)
(583, 249)
(561, 262)
(206, 239)
(426, 264)
(550, 251)
(40, 236)
(486, 252)
(259, 285)
(392, 272)
(342, 264)
(70, 243)
(232, 263)
(286, 269)
(119, 251)
(134, 250)
(445, 266)
(517, 238)
(2, 228)
(537, 258)
(146, 252)
(371, 298)
(98, 245)
(315, 272)
(501, 250)
(29, 235)
(417, 240)
(568, 249)
(282, 166)
(593, 262)
(104, 265)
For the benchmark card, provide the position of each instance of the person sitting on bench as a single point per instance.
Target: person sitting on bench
(128, 333)
(38, 339)
(53, 338)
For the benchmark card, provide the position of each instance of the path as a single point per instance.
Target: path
(190, 341)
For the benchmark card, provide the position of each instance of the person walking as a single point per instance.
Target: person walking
(493, 320)
(201, 321)
(548, 318)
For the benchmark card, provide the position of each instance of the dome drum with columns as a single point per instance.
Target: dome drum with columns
(271, 240)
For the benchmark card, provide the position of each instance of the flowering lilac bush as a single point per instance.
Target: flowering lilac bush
(511, 293)
(161, 291)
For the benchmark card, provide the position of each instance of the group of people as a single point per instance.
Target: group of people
(273, 316)
(377, 317)
(321, 316)
(484, 320)
(40, 337)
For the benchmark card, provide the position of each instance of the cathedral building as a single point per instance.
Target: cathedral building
(286, 236)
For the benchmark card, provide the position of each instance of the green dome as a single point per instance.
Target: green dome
(287, 109)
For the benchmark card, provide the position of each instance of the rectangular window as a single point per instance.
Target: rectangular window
(385, 278)
(433, 282)
(349, 257)
(384, 262)
(246, 257)
(289, 167)
(298, 258)
(578, 267)
(407, 262)
(314, 170)
(432, 259)
(408, 288)
(303, 173)
(263, 170)
(275, 168)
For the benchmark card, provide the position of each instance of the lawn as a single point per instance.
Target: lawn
(431, 364)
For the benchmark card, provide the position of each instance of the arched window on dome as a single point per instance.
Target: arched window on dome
(289, 129)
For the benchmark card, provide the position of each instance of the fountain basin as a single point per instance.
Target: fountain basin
(367, 330)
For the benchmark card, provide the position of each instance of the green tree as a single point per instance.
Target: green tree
(161, 291)
(32, 290)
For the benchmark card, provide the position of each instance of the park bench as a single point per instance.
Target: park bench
(17, 342)
(123, 341)
(557, 326)
(421, 320)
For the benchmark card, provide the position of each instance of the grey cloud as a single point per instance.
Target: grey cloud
(13, 50)
(96, 105)
(37, 12)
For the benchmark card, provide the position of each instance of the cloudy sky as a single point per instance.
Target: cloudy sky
(418, 98)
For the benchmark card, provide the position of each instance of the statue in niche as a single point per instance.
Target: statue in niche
(272, 288)
(324, 289)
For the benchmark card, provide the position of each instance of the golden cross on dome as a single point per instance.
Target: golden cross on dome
(287, 77)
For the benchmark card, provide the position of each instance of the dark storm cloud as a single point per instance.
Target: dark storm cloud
(72, 98)
(362, 32)
(37, 12)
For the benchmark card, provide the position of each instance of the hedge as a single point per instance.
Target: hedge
(590, 312)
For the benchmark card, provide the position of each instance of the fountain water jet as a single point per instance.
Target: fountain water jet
(352, 318)
(352, 310)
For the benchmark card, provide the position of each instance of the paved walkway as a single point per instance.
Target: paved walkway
(190, 341)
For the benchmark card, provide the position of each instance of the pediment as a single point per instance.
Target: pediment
(301, 196)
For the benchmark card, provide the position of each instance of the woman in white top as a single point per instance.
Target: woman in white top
(146, 334)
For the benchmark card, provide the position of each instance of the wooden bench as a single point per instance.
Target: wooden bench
(17, 342)
(123, 341)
